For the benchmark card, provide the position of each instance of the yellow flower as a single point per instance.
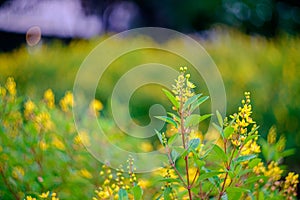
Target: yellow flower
(250, 147)
(273, 171)
(49, 98)
(2, 91)
(171, 130)
(18, 172)
(95, 107)
(222, 176)
(290, 185)
(82, 138)
(30, 198)
(66, 102)
(85, 173)
(43, 122)
(259, 169)
(146, 146)
(58, 143)
(272, 135)
(11, 86)
(144, 183)
(43, 146)
(44, 195)
(291, 180)
(29, 108)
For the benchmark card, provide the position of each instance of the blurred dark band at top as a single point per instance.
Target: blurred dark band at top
(68, 19)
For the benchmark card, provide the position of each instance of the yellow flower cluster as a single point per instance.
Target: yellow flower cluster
(183, 88)
(273, 172)
(11, 86)
(85, 173)
(57, 143)
(82, 138)
(113, 182)
(169, 173)
(18, 172)
(45, 195)
(272, 135)
(66, 103)
(109, 188)
(49, 98)
(29, 110)
(2, 92)
(241, 122)
(42, 122)
(95, 106)
(290, 185)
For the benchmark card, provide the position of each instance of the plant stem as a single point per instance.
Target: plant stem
(185, 146)
(8, 185)
(173, 166)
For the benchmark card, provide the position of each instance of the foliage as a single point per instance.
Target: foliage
(42, 156)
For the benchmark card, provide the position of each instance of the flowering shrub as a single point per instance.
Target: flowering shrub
(42, 156)
(231, 169)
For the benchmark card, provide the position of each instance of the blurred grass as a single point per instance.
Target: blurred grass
(268, 68)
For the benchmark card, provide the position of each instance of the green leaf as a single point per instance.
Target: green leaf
(123, 194)
(197, 103)
(137, 192)
(167, 119)
(254, 162)
(190, 101)
(171, 98)
(220, 118)
(179, 149)
(195, 119)
(194, 143)
(175, 117)
(209, 175)
(219, 152)
(172, 139)
(235, 192)
(228, 131)
(167, 193)
(199, 163)
(245, 158)
(288, 152)
(254, 179)
(219, 129)
(159, 137)
(174, 155)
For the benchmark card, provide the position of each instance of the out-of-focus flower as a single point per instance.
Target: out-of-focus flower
(272, 135)
(57, 143)
(2, 92)
(82, 138)
(18, 172)
(43, 122)
(85, 173)
(29, 109)
(95, 107)
(290, 185)
(30, 198)
(44, 195)
(49, 98)
(11, 86)
(67, 102)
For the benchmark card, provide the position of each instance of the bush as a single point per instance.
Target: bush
(43, 157)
